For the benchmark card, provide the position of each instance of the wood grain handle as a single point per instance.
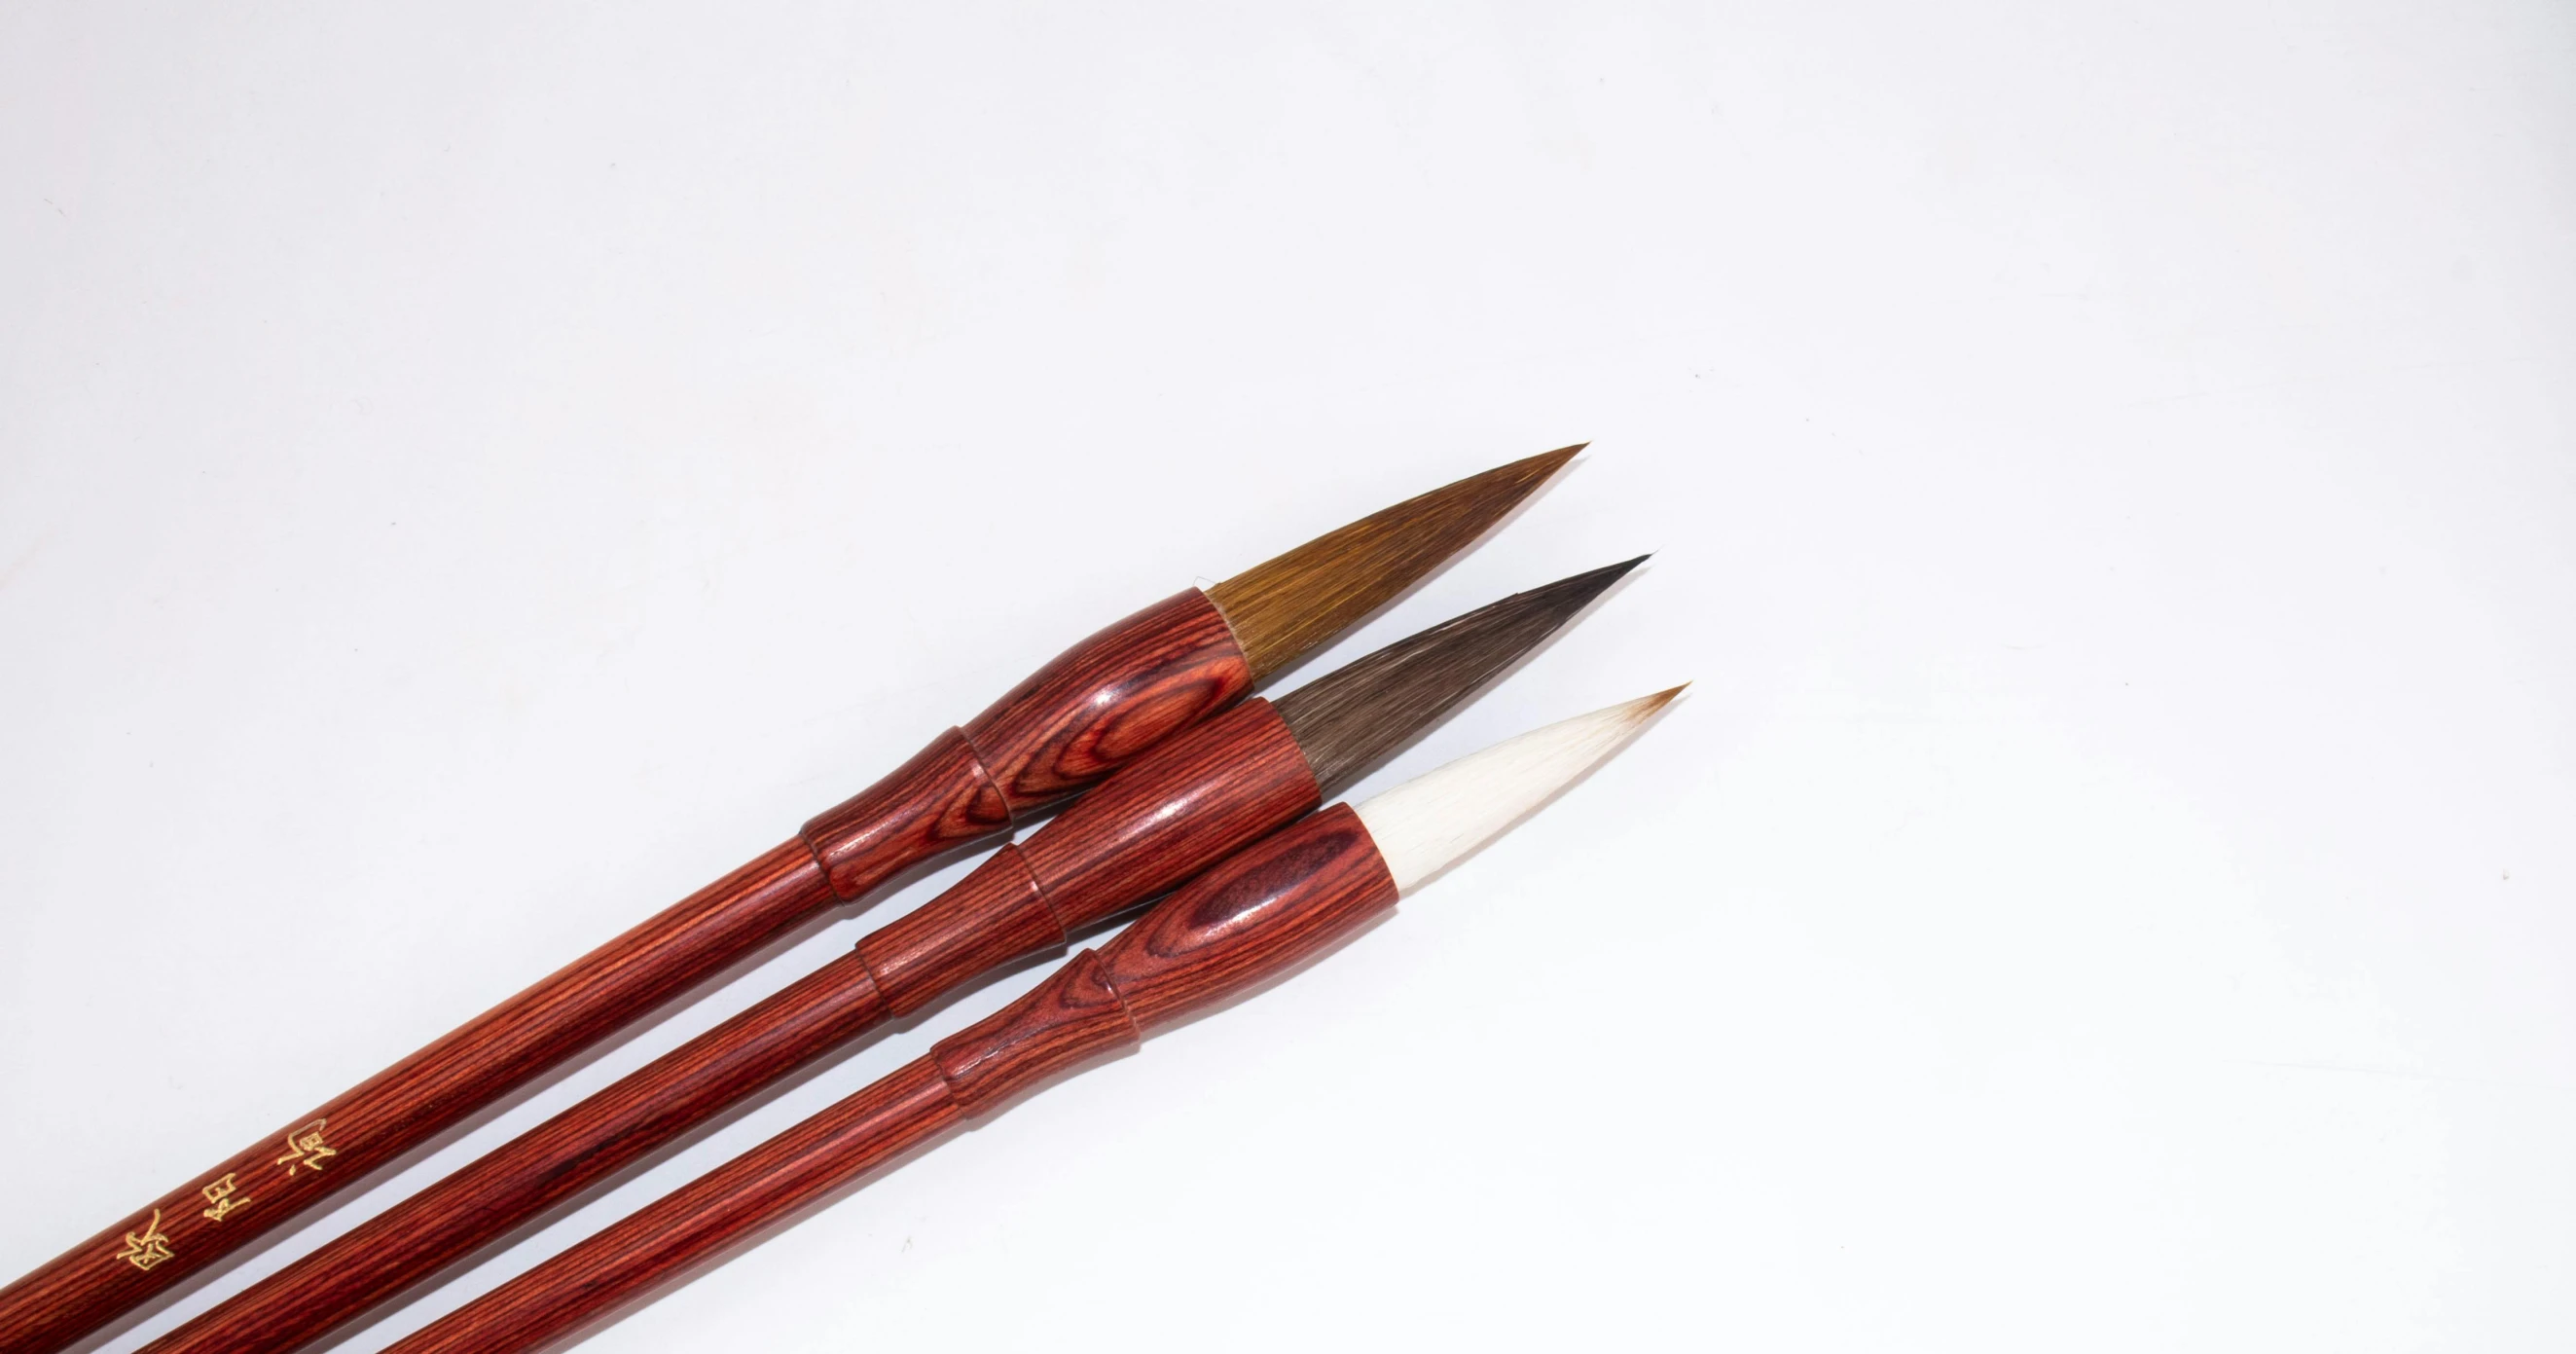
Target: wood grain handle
(1103, 702)
(1254, 917)
(1185, 805)
(317, 1154)
(848, 1139)
(518, 1180)
(1251, 919)
(1258, 916)
(1110, 699)
(1181, 808)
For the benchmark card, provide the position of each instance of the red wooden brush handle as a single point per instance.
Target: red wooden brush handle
(1279, 903)
(540, 1168)
(1183, 806)
(1191, 803)
(1106, 700)
(321, 1152)
(1110, 699)
(845, 1141)
(1251, 919)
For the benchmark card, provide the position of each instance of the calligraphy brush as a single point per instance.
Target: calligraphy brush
(1094, 708)
(1253, 918)
(1174, 812)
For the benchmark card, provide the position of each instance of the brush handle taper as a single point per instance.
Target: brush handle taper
(1100, 704)
(1186, 806)
(1251, 919)
(1189, 803)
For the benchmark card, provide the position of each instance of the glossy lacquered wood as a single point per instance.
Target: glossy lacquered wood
(543, 1166)
(940, 799)
(1105, 701)
(1261, 914)
(1180, 808)
(1195, 801)
(318, 1153)
(892, 1116)
(1110, 699)
(1251, 919)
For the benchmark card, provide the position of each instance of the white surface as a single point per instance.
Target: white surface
(468, 478)
(1438, 818)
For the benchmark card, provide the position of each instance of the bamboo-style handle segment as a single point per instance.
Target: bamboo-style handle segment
(1187, 804)
(1242, 923)
(1103, 702)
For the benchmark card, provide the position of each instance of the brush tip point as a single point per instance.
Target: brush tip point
(1575, 591)
(1539, 468)
(1598, 580)
(1287, 605)
(1347, 719)
(1426, 824)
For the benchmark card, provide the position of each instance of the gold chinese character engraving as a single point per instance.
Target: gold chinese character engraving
(220, 1194)
(304, 1147)
(149, 1249)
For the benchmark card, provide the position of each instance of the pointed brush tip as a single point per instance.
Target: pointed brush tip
(1558, 457)
(1627, 716)
(1287, 605)
(1429, 823)
(1347, 719)
(1590, 583)
(1532, 470)
(1647, 705)
(1525, 475)
(1604, 574)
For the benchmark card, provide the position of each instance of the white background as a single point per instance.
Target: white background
(469, 477)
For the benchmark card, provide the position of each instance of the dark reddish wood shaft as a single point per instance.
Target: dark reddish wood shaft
(1100, 704)
(847, 1140)
(1184, 806)
(543, 1166)
(1253, 918)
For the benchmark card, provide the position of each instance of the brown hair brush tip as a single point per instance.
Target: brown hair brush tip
(1285, 606)
(1347, 719)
